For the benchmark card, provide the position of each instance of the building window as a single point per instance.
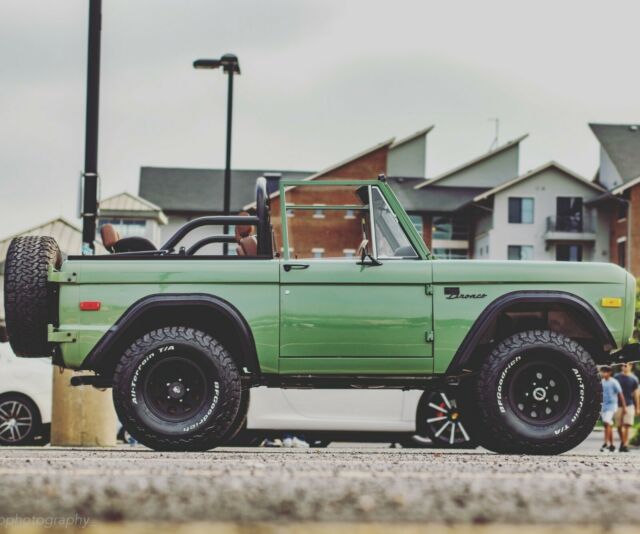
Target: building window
(450, 228)
(417, 222)
(623, 210)
(569, 214)
(622, 253)
(520, 252)
(317, 252)
(451, 253)
(568, 252)
(350, 214)
(318, 214)
(349, 252)
(521, 210)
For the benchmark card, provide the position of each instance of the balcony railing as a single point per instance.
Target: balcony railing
(574, 224)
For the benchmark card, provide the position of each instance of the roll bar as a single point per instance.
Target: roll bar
(262, 221)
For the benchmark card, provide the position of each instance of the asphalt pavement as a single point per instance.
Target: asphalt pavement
(356, 485)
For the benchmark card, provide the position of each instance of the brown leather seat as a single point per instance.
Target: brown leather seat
(110, 237)
(114, 243)
(247, 243)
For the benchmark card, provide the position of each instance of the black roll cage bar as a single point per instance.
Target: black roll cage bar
(261, 220)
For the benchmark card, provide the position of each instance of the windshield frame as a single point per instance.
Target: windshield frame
(415, 239)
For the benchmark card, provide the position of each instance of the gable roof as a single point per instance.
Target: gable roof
(534, 172)
(331, 168)
(621, 142)
(433, 198)
(201, 191)
(413, 136)
(125, 203)
(473, 162)
(67, 235)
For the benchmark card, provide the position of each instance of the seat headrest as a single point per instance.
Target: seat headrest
(243, 230)
(110, 236)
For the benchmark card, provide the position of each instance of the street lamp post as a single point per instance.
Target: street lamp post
(230, 65)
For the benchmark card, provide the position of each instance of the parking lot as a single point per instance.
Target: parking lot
(352, 484)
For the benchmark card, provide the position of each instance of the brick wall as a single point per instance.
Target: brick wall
(334, 232)
(634, 218)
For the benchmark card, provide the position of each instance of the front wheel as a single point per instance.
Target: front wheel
(177, 388)
(537, 392)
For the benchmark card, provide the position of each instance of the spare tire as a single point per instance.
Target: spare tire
(30, 301)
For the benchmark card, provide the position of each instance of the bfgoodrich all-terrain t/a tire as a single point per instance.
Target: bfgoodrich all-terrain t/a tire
(28, 298)
(537, 392)
(177, 389)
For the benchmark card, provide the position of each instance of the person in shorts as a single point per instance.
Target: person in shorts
(624, 417)
(611, 396)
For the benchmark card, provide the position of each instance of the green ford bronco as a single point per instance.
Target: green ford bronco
(181, 335)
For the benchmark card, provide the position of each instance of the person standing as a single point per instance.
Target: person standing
(625, 417)
(611, 396)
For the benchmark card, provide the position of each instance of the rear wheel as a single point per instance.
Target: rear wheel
(19, 420)
(538, 393)
(177, 388)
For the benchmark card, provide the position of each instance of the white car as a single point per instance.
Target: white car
(411, 418)
(25, 398)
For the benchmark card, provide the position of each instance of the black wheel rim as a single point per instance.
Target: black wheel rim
(175, 388)
(444, 420)
(16, 421)
(540, 392)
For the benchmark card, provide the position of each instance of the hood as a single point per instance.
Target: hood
(526, 272)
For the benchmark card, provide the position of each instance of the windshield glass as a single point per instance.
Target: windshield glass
(391, 241)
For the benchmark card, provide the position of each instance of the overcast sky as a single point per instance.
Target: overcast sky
(321, 80)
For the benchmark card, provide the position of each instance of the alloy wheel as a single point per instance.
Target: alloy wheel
(16, 421)
(444, 420)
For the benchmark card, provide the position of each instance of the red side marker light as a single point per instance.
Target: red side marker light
(90, 305)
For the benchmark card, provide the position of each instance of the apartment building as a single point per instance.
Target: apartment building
(619, 174)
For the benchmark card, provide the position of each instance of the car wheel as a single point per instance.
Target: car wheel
(443, 421)
(28, 297)
(177, 389)
(538, 392)
(19, 420)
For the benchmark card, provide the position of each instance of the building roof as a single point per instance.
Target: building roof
(67, 235)
(621, 142)
(413, 136)
(472, 162)
(432, 198)
(128, 205)
(534, 172)
(201, 190)
(332, 168)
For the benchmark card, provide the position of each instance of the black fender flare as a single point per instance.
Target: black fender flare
(483, 322)
(103, 351)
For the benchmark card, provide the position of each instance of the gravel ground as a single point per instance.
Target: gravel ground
(336, 484)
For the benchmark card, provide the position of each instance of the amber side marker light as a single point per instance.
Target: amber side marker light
(611, 302)
(90, 305)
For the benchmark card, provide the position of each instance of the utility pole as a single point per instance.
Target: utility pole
(90, 174)
(83, 416)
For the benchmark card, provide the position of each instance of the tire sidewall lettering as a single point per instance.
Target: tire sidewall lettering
(501, 383)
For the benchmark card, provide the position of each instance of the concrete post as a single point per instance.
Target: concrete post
(81, 416)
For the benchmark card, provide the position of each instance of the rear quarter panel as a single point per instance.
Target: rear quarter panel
(251, 286)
